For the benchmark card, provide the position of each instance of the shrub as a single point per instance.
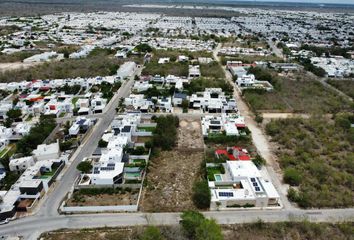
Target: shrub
(209, 230)
(293, 195)
(151, 233)
(201, 194)
(292, 177)
(258, 161)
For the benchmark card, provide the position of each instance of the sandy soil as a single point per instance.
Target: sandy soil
(106, 200)
(189, 134)
(16, 65)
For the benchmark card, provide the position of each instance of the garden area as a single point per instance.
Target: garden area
(297, 93)
(316, 156)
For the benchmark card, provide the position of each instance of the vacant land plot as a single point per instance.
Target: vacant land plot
(171, 68)
(105, 199)
(289, 230)
(212, 70)
(170, 180)
(171, 174)
(173, 54)
(250, 59)
(297, 94)
(189, 134)
(98, 63)
(252, 231)
(346, 86)
(317, 158)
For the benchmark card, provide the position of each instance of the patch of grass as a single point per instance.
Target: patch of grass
(146, 129)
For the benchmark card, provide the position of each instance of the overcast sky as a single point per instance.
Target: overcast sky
(304, 1)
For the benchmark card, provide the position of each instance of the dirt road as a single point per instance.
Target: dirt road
(260, 140)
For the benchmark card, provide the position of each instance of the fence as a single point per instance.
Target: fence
(125, 185)
(117, 208)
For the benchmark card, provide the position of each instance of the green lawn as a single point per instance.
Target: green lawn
(146, 129)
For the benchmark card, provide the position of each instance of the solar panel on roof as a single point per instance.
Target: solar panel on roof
(226, 194)
(255, 184)
(253, 179)
(111, 164)
(81, 121)
(257, 189)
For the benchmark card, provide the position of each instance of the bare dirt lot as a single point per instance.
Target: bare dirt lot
(189, 134)
(127, 198)
(16, 65)
(171, 174)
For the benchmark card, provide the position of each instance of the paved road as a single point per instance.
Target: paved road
(32, 227)
(50, 205)
(278, 52)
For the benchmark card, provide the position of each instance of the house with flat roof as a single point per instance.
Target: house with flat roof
(241, 185)
(194, 71)
(21, 164)
(47, 151)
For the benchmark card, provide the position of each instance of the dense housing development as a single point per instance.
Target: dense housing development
(135, 116)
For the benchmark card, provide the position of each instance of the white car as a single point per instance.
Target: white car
(4, 222)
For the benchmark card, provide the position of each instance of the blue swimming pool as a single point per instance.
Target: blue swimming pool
(217, 177)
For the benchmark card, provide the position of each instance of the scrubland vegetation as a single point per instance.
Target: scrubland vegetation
(98, 63)
(195, 226)
(317, 157)
(297, 94)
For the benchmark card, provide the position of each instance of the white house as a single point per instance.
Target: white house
(194, 71)
(126, 70)
(242, 184)
(47, 151)
(21, 164)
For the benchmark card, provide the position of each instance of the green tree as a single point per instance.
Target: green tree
(201, 194)
(209, 230)
(143, 47)
(151, 233)
(190, 222)
(84, 167)
(14, 114)
(102, 143)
